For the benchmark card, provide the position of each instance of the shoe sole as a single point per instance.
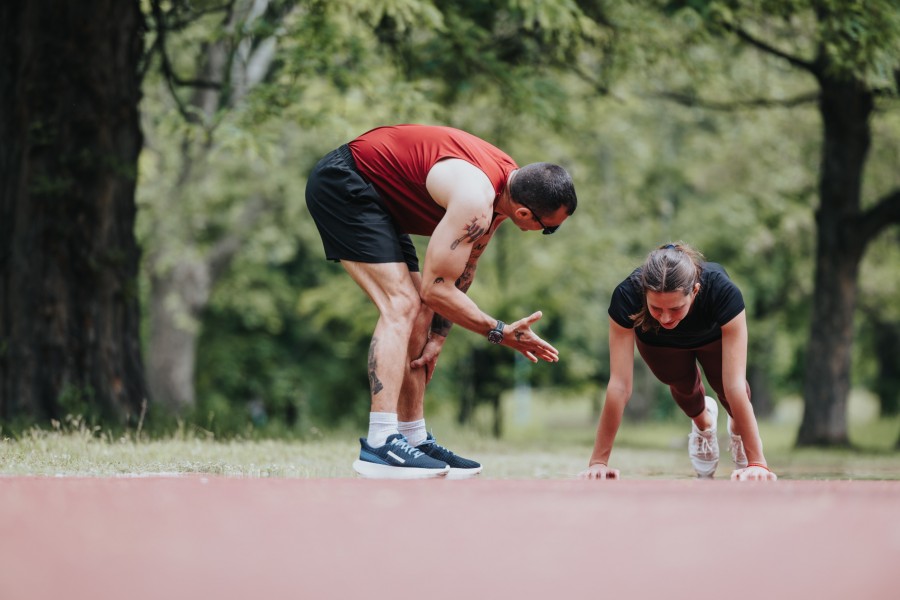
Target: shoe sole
(705, 469)
(375, 471)
(707, 474)
(463, 473)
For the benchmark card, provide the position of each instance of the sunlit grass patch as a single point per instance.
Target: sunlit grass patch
(555, 442)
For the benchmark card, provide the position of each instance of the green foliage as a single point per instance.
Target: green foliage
(861, 40)
(855, 40)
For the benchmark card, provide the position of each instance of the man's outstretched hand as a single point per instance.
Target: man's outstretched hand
(520, 336)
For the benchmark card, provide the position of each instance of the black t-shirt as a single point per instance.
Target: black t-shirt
(717, 303)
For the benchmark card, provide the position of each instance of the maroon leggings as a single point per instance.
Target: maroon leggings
(677, 368)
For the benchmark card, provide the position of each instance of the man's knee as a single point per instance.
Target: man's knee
(403, 308)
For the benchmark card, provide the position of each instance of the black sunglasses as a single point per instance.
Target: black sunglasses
(547, 230)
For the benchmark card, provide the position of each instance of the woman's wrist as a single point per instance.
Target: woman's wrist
(760, 465)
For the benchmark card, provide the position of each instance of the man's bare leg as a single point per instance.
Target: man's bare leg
(391, 289)
(384, 454)
(411, 404)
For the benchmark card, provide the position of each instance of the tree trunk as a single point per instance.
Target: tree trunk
(845, 108)
(760, 390)
(69, 142)
(887, 383)
(177, 300)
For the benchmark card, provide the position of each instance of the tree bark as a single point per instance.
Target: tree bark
(69, 143)
(887, 384)
(177, 300)
(845, 107)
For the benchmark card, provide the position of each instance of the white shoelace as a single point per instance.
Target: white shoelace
(701, 446)
(405, 447)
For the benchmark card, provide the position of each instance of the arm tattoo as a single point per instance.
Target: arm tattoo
(473, 232)
(440, 325)
(374, 383)
(465, 280)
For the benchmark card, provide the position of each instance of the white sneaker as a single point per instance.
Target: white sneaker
(736, 448)
(703, 446)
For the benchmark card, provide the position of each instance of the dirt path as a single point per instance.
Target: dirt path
(219, 538)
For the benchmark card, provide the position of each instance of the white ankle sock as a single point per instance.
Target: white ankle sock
(381, 425)
(414, 431)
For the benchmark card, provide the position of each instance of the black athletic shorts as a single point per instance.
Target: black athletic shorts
(350, 217)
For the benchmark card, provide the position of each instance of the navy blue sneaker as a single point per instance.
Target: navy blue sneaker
(460, 468)
(397, 460)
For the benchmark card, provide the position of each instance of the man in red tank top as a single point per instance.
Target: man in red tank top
(366, 197)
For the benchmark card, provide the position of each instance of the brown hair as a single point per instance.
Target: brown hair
(669, 268)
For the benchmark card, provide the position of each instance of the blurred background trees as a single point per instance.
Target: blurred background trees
(719, 123)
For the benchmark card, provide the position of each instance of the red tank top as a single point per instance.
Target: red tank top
(397, 159)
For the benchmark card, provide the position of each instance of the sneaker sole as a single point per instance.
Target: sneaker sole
(463, 473)
(375, 471)
(705, 469)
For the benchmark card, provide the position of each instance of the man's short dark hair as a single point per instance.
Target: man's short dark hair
(544, 187)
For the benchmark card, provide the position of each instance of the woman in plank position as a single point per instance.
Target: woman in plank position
(680, 311)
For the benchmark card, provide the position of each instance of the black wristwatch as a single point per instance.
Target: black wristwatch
(495, 335)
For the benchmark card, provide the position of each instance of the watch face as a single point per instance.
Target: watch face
(494, 336)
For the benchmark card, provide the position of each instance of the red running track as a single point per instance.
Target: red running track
(222, 538)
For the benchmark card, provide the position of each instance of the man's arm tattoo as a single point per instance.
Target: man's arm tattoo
(473, 232)
(374, 383)
(468, 275)
(465, 280)
(440, 325)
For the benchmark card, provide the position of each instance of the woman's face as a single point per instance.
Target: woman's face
(670, 308)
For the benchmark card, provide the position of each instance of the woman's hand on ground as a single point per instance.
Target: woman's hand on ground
(599, 471)
(753, 473)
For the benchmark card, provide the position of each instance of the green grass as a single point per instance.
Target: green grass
(544, 438)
